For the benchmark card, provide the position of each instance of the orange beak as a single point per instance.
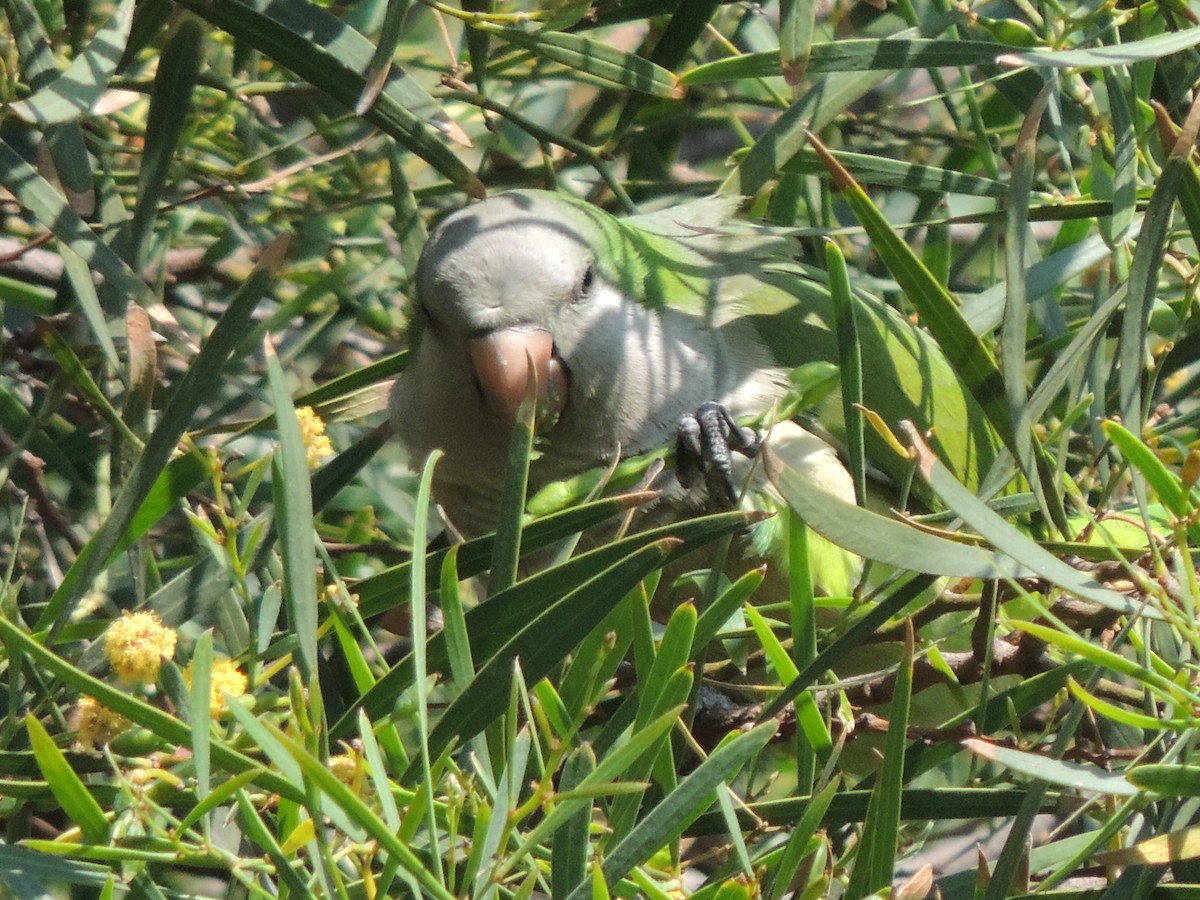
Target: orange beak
(513, 363)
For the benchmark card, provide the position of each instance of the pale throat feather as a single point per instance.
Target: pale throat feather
(639, 370)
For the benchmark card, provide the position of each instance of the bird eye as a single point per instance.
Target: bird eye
(585, 283)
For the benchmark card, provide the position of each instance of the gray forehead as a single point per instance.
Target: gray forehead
(508, 252)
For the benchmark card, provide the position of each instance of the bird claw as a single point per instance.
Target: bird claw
(705, 441)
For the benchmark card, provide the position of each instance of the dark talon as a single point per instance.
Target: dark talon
(689, 454)
(703, 444)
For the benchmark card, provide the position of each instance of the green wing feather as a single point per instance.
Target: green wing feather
(905, 373)
(734, 270)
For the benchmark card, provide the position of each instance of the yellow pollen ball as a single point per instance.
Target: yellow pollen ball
(226, 678)
(135, 645)
(312, 432)
(95, 723)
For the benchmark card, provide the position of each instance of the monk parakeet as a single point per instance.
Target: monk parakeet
(645, 331)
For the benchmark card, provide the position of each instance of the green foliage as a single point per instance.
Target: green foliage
(212, 218)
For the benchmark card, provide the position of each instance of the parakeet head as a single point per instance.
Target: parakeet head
(506, 280)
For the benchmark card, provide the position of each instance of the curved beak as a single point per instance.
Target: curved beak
(512, 363)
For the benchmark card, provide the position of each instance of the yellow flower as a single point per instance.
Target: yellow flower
(312, 431)
(334, 594)
(349, 767)
(135, 645)
(226, 677)
(344, 767)
(96, 723)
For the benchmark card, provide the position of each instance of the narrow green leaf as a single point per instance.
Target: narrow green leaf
(850, 365)
(347, 624)
(69, 790)
(292, 492)
(674, 651)
(1164, 686)
(802, 609)
(385, 49)
(1124, 183)
(1165, 483)
(1016, 306)
(797, 19)
(808, 714)
(170, 110)
(38, 65)
(1067, 361)
(1147, 262)
(419, 634)
(1126, 53)
(74, 369)
(409, 226)
(571, 846)
(669, 818)
(876, 860)
(596, 58)
(199, 711)
(479, 43)
(714, 617)
(779, 881)
(72, 94)
(1127, 716)
(258, 832)
(45, 868)
(821, 104)
(851, 55)
(80, 277)
(149, 17)
(899, 174)
(458, 642)
(1170, 780)
(30, 297)
(506, 552)
(1016, 310)
(936, 252)
(886, 540)
(1076, 776)
(1007, 539)
(683, 29)
(217, 797)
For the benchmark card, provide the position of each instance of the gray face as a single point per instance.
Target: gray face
(507, 261)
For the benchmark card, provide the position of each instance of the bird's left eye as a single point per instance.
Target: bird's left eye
(426, 316)
(585, 283)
